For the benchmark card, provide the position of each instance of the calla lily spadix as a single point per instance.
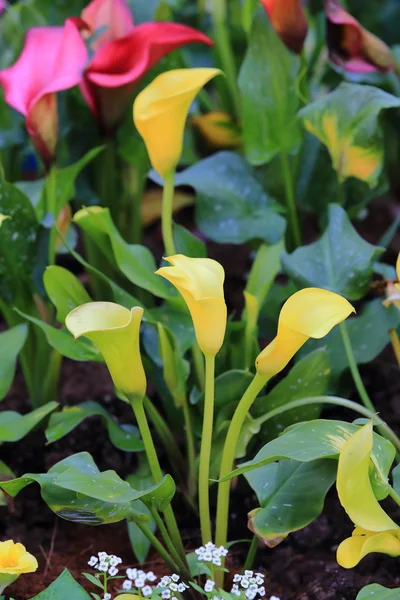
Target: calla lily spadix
(115, 331)
(309, 313)
(160, 113)
(201, 283)
(374, 530)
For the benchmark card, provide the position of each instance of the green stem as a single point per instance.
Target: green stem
(166, 213)
(294, 225)
(225, 53)
(190, 447)
(395, 496)
(158, 547)
(134, 180)
(107, 178)
(198, 364)
(205, 452)
(168, 542)
(387, 432)
(366, 400)
(228, 457)
(155, 469)
(251, 555)
(175, 457)
(51, 206)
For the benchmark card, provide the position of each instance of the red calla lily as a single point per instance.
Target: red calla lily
(353, 47)
(123, 54)
(52, 60)
(289, 21)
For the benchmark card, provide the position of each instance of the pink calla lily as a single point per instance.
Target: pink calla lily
(52, 59)
(123, 53)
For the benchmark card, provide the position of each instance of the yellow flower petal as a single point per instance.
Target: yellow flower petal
(311, 312)
(15, 560)
(353, 483)
(200, 281)
(353, 549)
(160, 113)
(115, 331)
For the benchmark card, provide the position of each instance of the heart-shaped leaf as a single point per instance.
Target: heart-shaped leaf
(13, 426)
(63, 588)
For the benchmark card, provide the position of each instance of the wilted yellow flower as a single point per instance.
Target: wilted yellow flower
(309, 313)
(218, 129)
(201, 283)
(160, 113)
(115, 331)
(374, 530)
(393, 289)
(15, 560)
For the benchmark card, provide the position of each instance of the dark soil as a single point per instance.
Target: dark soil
(301, 568)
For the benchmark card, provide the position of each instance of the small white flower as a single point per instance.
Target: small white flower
(102, 556)
(107, 597)
(173, 587)
(114, 560)
(131, 574)
(127, 585)
(112, 571)
(217, 562)
(182, 587)
(235, 590)
(224, 551)
(237, 578)
(209, 586)
(250, 594)
(166, 594)
(274, 598)
(261, 591)
(164, 581)
(209, 545)
(93, 561)
(147, 590)
(253, 586)
(248, 573)
(139, 582)
(150, 576)
(103, 566)
(244, 583)
(175, 577)
(259, 579)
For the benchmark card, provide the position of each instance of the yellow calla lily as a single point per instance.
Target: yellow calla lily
(201, 281)
(160, 113)
(218, 129)
(309, 313)
(374, 530)
(115, 331)
(362, 542)
(353, 484)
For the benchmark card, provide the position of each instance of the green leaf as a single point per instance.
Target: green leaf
(232, 207)
(13, 426)
(63, 588)
(5, 473)
(291, 495)
(314, 440)
(63, 341)
(64, 290)
(377, 592)
(18, 238)
(188, 244)
(368, 334)
(267, 81)
(341, 261)
(11, 342)
(125, 437)
(75, 490)
(93, 580)
(136, 262)
(309, 377)
(346, 121)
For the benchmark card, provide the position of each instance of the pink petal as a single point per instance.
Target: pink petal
(127, 59)
(112, 15)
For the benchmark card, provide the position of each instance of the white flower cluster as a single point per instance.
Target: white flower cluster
(106, 563)
(250, 583)
(210, 553)
(137, 581)
(171, 585)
